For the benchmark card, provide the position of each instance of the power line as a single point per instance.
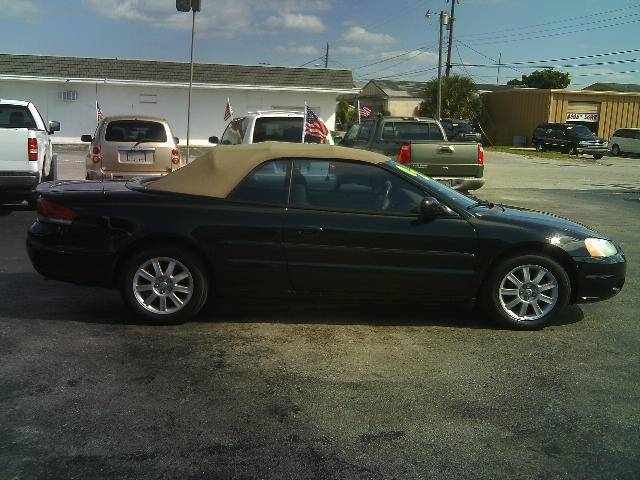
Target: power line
(575, 65)
(486, 56)
(402, 74)
(606, 73)
(311, 61)
(391, 58)
(580, 57)
(375, 72)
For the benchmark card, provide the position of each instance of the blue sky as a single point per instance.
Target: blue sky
(360, 33)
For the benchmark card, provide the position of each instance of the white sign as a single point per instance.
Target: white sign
(582, 117)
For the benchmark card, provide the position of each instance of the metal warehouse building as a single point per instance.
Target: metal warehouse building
(515, 113)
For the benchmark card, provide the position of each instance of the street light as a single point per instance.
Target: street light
(185, 6)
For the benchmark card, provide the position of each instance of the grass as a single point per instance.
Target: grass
(549, 155)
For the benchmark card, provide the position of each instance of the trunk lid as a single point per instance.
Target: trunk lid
(14, 156)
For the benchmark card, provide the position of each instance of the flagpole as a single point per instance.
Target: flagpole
(97, 115)
(304, 121)
(358, 110)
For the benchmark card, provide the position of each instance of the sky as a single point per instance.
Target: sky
(390, 39)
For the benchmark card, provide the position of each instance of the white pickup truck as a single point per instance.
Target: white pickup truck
(25, 149)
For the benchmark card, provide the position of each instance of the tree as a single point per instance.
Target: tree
(346, 114)
(546, 78)
(460, 98)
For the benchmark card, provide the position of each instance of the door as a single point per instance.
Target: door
(353, 229)
(244, 234)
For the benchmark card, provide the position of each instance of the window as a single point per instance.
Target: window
(135, 131)
(268, 183)
(68, 95)
(278, 129)
(410, 131)
(235, 132)
(359, 187)
(350, 137)
(364, 133)
(16, 116)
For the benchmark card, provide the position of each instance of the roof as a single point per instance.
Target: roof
(393, 88)
(491, 87)
(173, 72)
(217, 173)
(6, 101)
(614, 87)
(134, 117)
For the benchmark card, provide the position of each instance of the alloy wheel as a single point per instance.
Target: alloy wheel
(528, 292)
(163, 285)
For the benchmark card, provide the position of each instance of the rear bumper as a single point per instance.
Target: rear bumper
(66, 263)
(101, 175)
(17, 183)
(463, 184)
(599, 279)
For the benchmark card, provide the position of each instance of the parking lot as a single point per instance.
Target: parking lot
(291, 390)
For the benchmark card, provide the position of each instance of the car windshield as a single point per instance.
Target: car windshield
(278, 129)
(454, 196)
(135, 131)
(581, 132)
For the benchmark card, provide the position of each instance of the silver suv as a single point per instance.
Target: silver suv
(129, 146)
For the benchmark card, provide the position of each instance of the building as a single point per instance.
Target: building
(512, 115)
(66, 89)
(393, 97)
(614, 87)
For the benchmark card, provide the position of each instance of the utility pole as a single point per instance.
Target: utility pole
(326, 57)
(443, 22)
(452, 19)
(499, 62)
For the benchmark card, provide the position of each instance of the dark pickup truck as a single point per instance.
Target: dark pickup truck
(421, 143)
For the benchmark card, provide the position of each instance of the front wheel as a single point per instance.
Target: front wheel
(539, 147)
(573, 150)
(164, 284)
(615, 149)
(526, 292)
(598, 156)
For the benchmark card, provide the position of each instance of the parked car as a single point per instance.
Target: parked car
(25, 143)
(569, 138)
(422, 144)
(131, 145)
(281, 220)
(460, 131)
(625, 140)
(265, 126)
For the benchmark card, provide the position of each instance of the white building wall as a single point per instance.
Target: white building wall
(78, 117)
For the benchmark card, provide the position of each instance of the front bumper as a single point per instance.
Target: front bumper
(593, 150)
(599, 279)
(17, 183)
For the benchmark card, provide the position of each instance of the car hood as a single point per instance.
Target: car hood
(544, 223)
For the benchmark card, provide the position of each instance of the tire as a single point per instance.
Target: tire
(598, 156)
(503, 299)
(572, 150)
(615, 150)
(539, 147)
(147, 300)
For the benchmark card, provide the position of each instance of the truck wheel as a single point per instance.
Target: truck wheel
(615, 149)
(526, 292)
(539, 147)
(598, 156)
(573, 150)
(164, 284)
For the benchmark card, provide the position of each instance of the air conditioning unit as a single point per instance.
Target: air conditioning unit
(68, 96)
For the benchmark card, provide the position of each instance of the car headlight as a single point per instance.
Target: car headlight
(600, 248)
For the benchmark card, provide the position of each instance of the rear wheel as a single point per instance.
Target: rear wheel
(526, 292)
(598, 156)
(540, 147)
(615, 149)
(164, 284)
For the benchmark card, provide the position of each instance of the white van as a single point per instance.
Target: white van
(625, 140)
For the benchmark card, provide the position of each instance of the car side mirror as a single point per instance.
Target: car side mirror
(54, 126)
(430, 207)
(86, 138)
(214, 139)
(176, 140)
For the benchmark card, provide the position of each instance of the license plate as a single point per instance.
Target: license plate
(448, 183)
(138, 158)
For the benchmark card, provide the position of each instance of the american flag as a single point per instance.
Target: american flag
(365, 111)
(99, 112)
(228, 111)
(313, 126)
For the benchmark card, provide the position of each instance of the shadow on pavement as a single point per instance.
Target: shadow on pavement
(50, 300)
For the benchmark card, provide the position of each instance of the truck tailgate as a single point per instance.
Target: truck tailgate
(446, 159)
(13, 155)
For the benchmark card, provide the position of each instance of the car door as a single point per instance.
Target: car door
(244, 234)
(633, 141)
(353, 229)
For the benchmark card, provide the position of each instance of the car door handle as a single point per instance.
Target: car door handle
(310, 230)
(447, 149)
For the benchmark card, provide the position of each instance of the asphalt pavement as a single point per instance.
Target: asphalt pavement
(297, 391)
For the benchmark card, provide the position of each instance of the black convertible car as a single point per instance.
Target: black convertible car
(278, 220)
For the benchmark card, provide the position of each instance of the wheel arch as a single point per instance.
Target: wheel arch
(534, 248)
(164, 239)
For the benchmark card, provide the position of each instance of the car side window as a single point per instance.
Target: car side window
(364, 133)
(352, 186)
(268, 183)
(234, 133)
(434, 132)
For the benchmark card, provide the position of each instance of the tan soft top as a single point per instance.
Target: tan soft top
(216, 173)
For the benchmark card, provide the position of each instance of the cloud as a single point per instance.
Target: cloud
(359, 35)
(19, 9)
(349, 49)
(222, 18)
(297, 21)
(299, 49)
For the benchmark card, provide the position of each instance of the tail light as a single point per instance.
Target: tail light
(404, 156)
(32, 148)
(175, 156)
(54, 212)
(480, 154)
(96, 154)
